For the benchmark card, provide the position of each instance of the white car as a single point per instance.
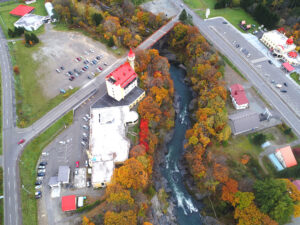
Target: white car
(62, 142)
(85, 119)
(84, 134)
(83, 143)
(85, 127)
(87, 116)
(57, 70)
(42, 171)
(92, 51)
(41, 167)
(38, 187)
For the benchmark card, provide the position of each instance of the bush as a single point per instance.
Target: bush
(88, 207)
(259, 139)
(111, 42)
(16, 70)
(151, 191)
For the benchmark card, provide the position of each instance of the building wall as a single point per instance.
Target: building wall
(114, 91)
(237, 106)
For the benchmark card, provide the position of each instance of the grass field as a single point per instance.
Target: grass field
(296, 77)
(28, 164)
(31, 103)
(7, 20)
(1, 200)
(0, 114)
(233, 15)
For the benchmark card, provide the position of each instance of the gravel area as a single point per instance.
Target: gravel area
(161, 6)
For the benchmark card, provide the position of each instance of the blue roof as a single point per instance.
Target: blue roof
(275, 162)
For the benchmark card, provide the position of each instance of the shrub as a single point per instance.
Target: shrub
(259, 139)
(16, 69)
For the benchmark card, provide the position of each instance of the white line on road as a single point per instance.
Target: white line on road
(10, 218)
(8, 185)
(8, 171)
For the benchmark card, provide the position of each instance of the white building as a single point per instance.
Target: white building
(30, 22)
(108, 143)
(238, 96)
(49, 9)
(281, 46)
(122, 80)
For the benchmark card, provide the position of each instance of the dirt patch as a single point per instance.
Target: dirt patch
(60, 48)
(162, 6)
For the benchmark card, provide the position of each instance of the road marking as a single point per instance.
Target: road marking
(259, 60)
(5, 84)
(8, 185)
(7, 121)
(10, 218)
(8, 171)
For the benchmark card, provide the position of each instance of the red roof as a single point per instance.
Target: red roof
(288, 156)
(21, 10)
(293, 54)
(131, 53)
(123, 75)
(68, 203)
(290, 41)
(238, 93)
(297, 184)
(288, 67)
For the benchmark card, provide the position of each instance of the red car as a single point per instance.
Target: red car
(21, 141)
(77, 163)
(71, 78)
(100, 68)
(79, 59)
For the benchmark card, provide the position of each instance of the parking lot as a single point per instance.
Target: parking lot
(67, 150)
(62, 56)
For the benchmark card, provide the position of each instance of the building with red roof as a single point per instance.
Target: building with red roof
(238, 96)
(287, 67)
(286, 157)
(68, 203)
(122, 80)
(21, 10)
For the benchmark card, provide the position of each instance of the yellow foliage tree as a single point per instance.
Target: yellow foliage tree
(124, 218)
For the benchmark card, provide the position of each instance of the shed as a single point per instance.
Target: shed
(275, 162)
(64, 174)
(68, 203)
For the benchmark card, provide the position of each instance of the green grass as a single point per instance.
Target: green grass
(28, 164)
(0, 114)
(233, 15)
(132, 138)
(232, 66)
(296, 77)
(32, 104)
(7, 20)
(1, 200)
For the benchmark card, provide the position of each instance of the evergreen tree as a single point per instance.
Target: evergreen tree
(111, 42)
(10, 33)
(183, 16)
(34, 38)
(97, 18)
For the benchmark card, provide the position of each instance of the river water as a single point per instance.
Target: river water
(187, 209)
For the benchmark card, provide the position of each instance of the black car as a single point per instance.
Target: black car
(71, 78)
(224, 22)
(269, 61)
(39, 182)
(85, 139)
(285, 84)
(70, 72)
(283, 91)
(41, 174)
(98, 57)
(237, 45)
(43, 163)
(76, 71)
(62, 68)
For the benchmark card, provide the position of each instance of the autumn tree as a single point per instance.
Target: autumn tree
(131, 175)
(273, 199)
(86, 221)
(124, 218)
(138, 150)
(16, 69)
(229, 189)
(118, 196)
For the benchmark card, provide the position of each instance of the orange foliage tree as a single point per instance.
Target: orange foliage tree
(124, 218)
(229, 189)
(221, 172)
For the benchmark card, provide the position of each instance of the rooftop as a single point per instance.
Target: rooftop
(279, 39)
(123, 75)
(21, 10)
(244, 121)
(286, 156)
(68, 203)
(238, 93)
(288, 67)
(29, 20)
(63, 174)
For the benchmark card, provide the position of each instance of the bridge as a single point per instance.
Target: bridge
(11, 133)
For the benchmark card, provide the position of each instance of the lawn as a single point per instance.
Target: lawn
(0, 114)
(7, 20)
(30, 105)
(28, 164)
(296, 77)
(133, 130)
(233, 15)
(1, 200)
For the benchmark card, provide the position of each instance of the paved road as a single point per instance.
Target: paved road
(11, 134)
(238, 60)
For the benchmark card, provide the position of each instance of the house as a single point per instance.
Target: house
(30, 22)
(244, 121)
(108, 142)
(281, 46)
(122, 80)
(238, 96)
(21, 10)
(63, 174)
(286, 157)
(68, 203)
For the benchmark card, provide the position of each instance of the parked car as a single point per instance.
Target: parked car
(283, 91)
(278, 85)
(285, 84)
(57, 70)
(224, 22)
(38, 187)
(38, 182)
(88, 183)
(105, 64)
(71, 78)
(76, 171)
(87, 116)
(86, 66)
(100, 68)
(84, 134)
(43, 163)
(78, 58)
(273, 81)
(94, 62)
(38, 194)
(62, 68)
(21, 141)
(41, 174)
(270, 62)
(62, 91)
(98, 57)
(41, 170)
(86, 163)
(83, 68)
(41, 167)
(92, 51)
(85, 139)
(77, 164)
(83, 143)
(85, 119)
(39, 178)
(85, 127)
(237, 45)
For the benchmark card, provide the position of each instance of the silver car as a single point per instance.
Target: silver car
(38, 187)
(84, 134)
(83, 143)
(42, 171)
(85, 127)
(85, 119)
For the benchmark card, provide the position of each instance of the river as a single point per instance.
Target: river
(187, 209)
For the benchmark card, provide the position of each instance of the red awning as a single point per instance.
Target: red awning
(68, 203)
(290, 41)
(288, 67)
(21, 10)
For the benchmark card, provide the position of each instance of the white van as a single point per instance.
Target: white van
(279, 85)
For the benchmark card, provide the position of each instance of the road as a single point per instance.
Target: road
(12, 134)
